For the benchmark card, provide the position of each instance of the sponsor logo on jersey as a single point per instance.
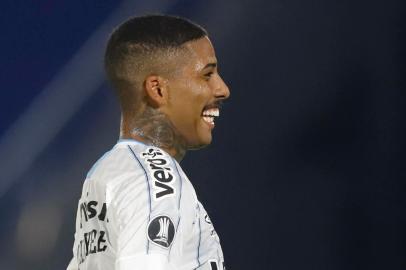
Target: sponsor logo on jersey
(162, 174)
(91, 241)
(161, 231)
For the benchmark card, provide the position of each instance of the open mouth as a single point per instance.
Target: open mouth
(210, 114)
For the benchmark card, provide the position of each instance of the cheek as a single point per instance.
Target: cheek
(193, 98)
(187, 103)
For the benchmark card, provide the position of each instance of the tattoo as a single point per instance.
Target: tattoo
(155, 128)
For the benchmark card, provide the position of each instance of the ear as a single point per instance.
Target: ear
(156, 90)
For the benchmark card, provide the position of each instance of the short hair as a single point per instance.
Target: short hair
(137, 44)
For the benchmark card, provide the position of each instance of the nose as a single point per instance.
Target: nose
(222, 90)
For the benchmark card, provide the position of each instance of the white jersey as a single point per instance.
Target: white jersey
(137, 201)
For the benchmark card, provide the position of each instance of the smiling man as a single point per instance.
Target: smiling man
(138, 209)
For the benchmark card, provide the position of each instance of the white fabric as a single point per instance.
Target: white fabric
(145, 262)
(137, 208)
(73, 265)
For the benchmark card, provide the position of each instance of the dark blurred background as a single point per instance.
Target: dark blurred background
(306, 170)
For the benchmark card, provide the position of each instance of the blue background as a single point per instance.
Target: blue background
(307, 166)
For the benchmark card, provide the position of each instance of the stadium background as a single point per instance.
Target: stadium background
(306, 170)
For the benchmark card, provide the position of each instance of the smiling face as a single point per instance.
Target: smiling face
(195, 93)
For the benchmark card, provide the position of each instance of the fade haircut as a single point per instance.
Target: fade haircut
(142, 46)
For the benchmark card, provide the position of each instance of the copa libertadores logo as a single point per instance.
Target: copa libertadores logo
(161, 231)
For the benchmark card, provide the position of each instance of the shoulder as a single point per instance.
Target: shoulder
(161, 171)
(134, 165)
(119, 168)
(113, 163)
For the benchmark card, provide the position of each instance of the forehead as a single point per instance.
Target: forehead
(201, 53)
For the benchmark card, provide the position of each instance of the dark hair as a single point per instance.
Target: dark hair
(160, 31)
(131, 45)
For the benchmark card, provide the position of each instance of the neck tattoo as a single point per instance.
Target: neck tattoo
(156, 129)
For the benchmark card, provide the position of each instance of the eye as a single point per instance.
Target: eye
(208, 75)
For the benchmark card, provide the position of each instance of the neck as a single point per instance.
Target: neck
(154, 128)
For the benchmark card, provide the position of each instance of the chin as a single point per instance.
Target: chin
(197, 147)
(201, 143)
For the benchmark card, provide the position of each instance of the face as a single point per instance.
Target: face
(195, 93)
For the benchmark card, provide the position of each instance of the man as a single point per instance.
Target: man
(138, 210)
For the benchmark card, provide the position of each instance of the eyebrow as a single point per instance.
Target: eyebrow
(212, 65)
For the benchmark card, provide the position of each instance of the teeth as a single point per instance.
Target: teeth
(208, 119)
(212, 112)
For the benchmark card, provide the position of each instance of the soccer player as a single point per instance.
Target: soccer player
(138, 210)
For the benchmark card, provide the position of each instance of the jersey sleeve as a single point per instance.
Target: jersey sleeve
(152, 261)
(146, 209)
